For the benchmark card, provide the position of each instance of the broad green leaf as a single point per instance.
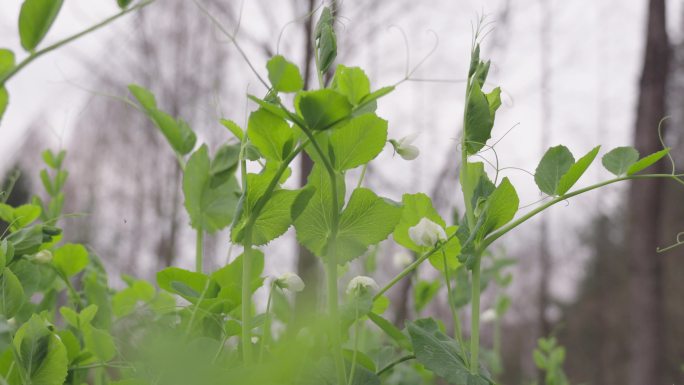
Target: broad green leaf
(71, 343)
(4, 101)
(123, 4)
(478, 120)
(451, 250)
(438, 352)
(29, 240)
(125, 301)
(322, 109)
(97, 292)
(554, 164)
(70, 316)
(270, 107)
(501, 207)
(351, 82)
(70, 259)
(224, 164)
(229, 278)
(100, 343)
(359, 141)
(234, 128)
(314, 223)
(620, 159)
(271, 134)
(647, 161)
(188, 284)
(211, 207)
(367, 220)
(576, 171)
(416, 207)
(6, 254)
(7, 63)
(11, 294)
(275, 218)
(41, 353)
(86, 316)
(35, 19)
(19, 217)
(284, 75)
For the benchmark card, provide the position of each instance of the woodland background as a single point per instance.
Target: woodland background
(579, 73)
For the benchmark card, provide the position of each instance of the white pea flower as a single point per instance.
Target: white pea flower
(254, 340)
(488, 316)
(361, 284)
(290, 281)
(43, 257)
(404, 148)
(427, 233)
(402, 259)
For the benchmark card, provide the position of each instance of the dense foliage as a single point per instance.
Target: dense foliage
(62, 323)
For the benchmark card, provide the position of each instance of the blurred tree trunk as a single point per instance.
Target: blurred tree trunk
(646, 291)
(307, 265)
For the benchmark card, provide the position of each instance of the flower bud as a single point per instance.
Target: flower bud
(427, 233)
(43, 257)
(488, 316)
(404, 148)
(361, 284)
(290, 281)
(402, 259)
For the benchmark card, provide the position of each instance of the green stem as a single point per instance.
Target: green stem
(452, 307)
(357, 323)
(363, 175)
(247, 298)
(498, 234)
(199, 250)
(475, 320)
(395, 363)
(8, 75)
(266, 333)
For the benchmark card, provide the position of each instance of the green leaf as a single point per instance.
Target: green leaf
(392, 331)
(125, 301)
(188, 284)
(326, 40)
(314, 223)
(177, 132)
(374, 96)
(576, 171)
(322, 109)
(229, 278)
(351, 82)
(100, 343)
(620, 159)
(234, 128)
(123, 4)
(359, 141)
(437, 351)
(7, 61)
(424, 292)
(70, 316)
(210, 206)
(416, 207)
(35, 19)
(11, 294)
(451, 251)
(270, 134)
(70, 259)
(284, 75)
(478, 120)
(494, 101)
(4, 101)
(367, 220)
(647, 161)
(501, 207)
(554, 164)
(275, 218)
(41, 353)
(19, 217)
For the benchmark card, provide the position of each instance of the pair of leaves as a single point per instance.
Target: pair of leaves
(625, 160)
(326, 41)
(19, 217)
(322, 109)
(441, 354)
(210, 188)
(177, 132)
(98, 341)
(366, 220)
(557, 171)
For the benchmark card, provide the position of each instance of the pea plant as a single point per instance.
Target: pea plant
(62, 323)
